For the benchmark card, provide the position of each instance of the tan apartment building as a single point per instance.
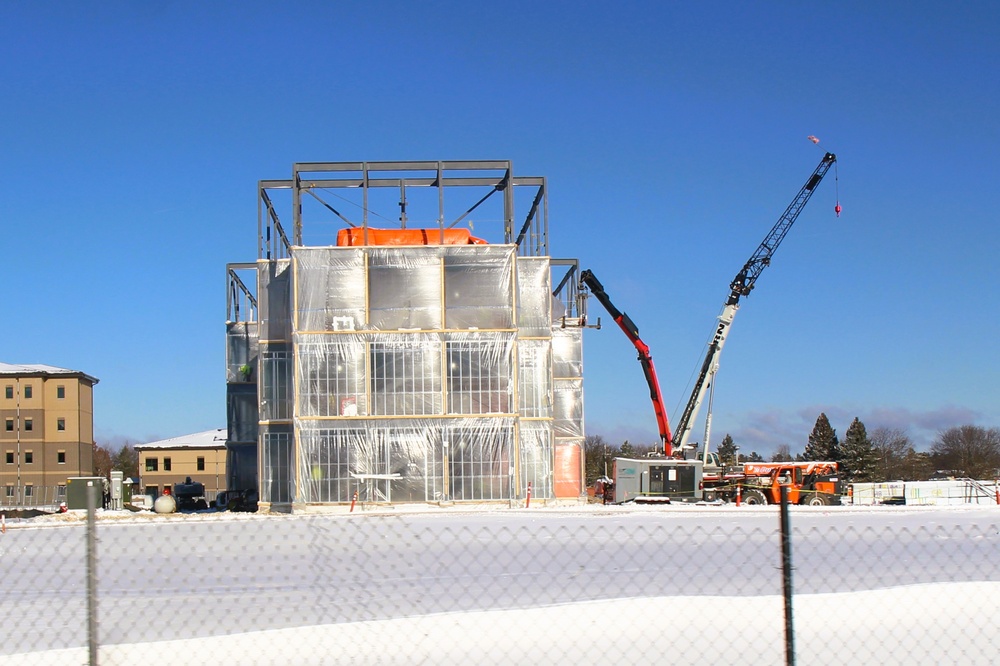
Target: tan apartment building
(46, 431)
(201, 456)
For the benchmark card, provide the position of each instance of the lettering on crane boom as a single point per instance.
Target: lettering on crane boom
(718, 333)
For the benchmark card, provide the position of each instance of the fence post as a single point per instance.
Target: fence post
(786, 570)
(92, 572)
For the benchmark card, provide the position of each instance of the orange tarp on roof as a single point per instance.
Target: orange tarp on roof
(356, 236)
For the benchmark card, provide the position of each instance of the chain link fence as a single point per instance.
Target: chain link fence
(591, 584)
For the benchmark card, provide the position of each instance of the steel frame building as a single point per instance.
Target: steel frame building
(427, 371)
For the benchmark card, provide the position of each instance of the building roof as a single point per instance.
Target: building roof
(210, 439)
(37, 369)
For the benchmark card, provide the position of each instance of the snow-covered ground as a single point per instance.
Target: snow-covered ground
(542, 585)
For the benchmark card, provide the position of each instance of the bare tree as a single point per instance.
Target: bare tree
(782, 454)
(892, 448)
(969, 451)
(102, 461)
(598, 457)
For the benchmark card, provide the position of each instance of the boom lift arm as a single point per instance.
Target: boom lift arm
(588, 279)
(741, 286)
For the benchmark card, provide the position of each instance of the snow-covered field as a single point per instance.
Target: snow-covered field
(542, 585)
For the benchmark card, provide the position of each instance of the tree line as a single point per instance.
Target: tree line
(884, 454)
(125, 459)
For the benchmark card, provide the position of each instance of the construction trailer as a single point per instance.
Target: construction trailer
(415, 363)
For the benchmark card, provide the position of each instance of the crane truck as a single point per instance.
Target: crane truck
(741, 286)
(588, 279)
(673, 478)
(668, 480)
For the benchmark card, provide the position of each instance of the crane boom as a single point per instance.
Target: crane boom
(645, 359)
(742, 285)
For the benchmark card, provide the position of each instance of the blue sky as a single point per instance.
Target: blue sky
(673, 135)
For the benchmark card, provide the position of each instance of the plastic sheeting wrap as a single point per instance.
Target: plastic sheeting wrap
(403, 460)
(535, 378)
(242, 416)
(534, 297)
(274, 299)
(567, 353)
(478, 288)
(242, 349)
(535, 440)
(568, 465)
(409, 376)
(330, 289)
(276, 361)
(277, 453)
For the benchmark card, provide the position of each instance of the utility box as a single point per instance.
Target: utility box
(76, 491)
(116, 490)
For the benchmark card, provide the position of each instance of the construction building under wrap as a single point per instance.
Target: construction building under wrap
(434, 357)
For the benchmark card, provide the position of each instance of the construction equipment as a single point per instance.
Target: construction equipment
(741, 286)
(811, 483)
(657, 480)
(631, 331)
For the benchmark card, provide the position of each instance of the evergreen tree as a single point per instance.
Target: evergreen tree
(127, 461)
(628, 451)
(859, 457)
(823, 442)
(754, 457)
(727, 451)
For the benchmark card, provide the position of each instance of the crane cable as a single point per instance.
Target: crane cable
(836, 182)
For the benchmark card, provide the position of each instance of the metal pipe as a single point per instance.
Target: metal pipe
(91, 491)
(786, 571)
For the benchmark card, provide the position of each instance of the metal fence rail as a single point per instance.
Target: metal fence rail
(604, 584)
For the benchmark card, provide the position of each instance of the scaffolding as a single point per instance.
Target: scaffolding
(424, 372)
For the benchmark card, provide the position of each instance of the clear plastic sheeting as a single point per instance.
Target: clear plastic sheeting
(568, 408)
(274, 300)
(534, 297)
(241, 351)
(277, 480)
(242, 414)
(567, 353)
(276, 362)
(413, 374)
(330, 289)
(535, 438)
(534, 359)
(407, 460)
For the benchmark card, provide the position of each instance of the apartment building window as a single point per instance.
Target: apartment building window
(8, 392)
(61, 491)
(29, 424)
(27, 390)
(10, 457)
(10, 425)
(166, 464)
(60, 424)
(201, 464)
(60, 392)
(153, 491)
(29, 490)
(10, 490)
(29, 457)
(152, 464)
(61, 457)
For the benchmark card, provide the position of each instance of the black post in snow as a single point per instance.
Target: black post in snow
(786, 571)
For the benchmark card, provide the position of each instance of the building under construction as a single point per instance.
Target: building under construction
(408, 338)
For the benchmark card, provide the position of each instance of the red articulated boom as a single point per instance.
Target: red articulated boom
(628, 327)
